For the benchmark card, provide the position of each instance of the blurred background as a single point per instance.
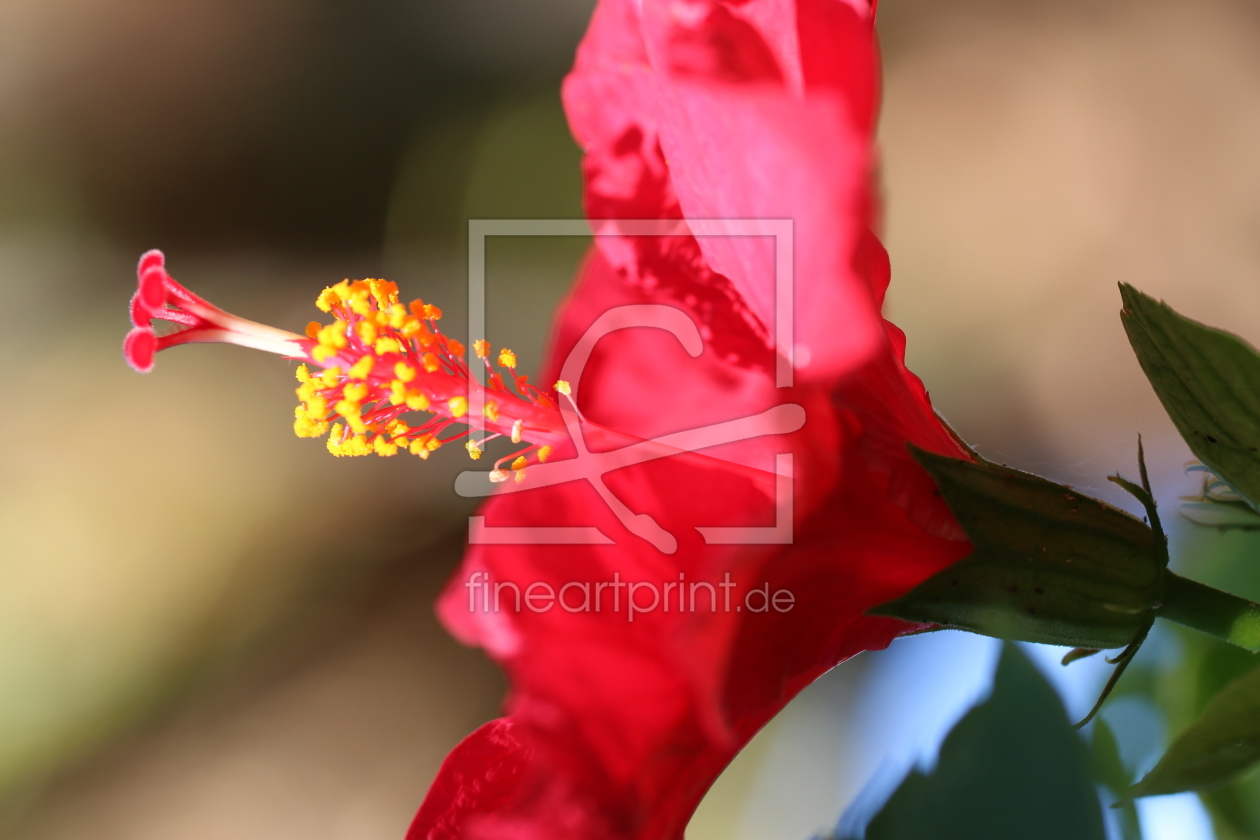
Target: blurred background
(209, 628)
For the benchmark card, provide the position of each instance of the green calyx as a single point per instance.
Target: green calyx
(1049, 565)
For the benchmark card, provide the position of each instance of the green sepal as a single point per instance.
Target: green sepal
(1049, 565)
(1209, 383)
(1222, 743)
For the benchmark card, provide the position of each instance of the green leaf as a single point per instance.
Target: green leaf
(1209, 383)
(1222, 743)
(1049, 565)
(1011, 768)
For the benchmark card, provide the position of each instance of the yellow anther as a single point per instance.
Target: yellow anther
(384, 448)
(564, 387)
(356, 391)
(404, 371)
(397, 428)
(356, 446)
(303, 373)
(362, 368)
(432, 313)
(333, 335)
(474, 451)
(416, 307)
(352, 446)
(397, 392)
(417, 402)
(307, 426)
(481, 347)
(507, 358)
(367, 332)
(517, 427)
(458, 406)
(387, 345)
(410, 326)
(313, 328)
(491, 411)
(430, 362)
(342, 290)
(384, 291)
(419, 447)
(519, 463)
(327, 299)
(317, 407)
(543, 454)
(323, 353)
(520, 476)
(359, 303)
(397, 315)
(308, 389)
(454, 347)
(331, 376)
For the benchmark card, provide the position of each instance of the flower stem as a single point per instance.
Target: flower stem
(1211, 611)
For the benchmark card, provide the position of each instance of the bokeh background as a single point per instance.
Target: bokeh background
(212, 629)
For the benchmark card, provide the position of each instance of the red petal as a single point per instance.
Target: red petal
(640, 717)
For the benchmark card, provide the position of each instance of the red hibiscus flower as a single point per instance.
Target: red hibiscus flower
(642, 662)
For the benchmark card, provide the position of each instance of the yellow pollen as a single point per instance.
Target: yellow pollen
(417, 402)
(418, 447)
(367, 331)
(474, 451)
(517, 427)
(397, 392)
(387, 345)
(498, 476)
(564, 387)
(491, 411)
(303, 373)
(384, 448)
(362, 368)
(313, 328)
(404, 371)
(507, 358)
(356, 391)
(458, 406)
(326, 299)
(430, 362)
(432, 313)
(331, 376)
(481, 347)
(520, 476)
(322, 353)
(454, 347)
(543, 454)
(519, 463)
(397, 315)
